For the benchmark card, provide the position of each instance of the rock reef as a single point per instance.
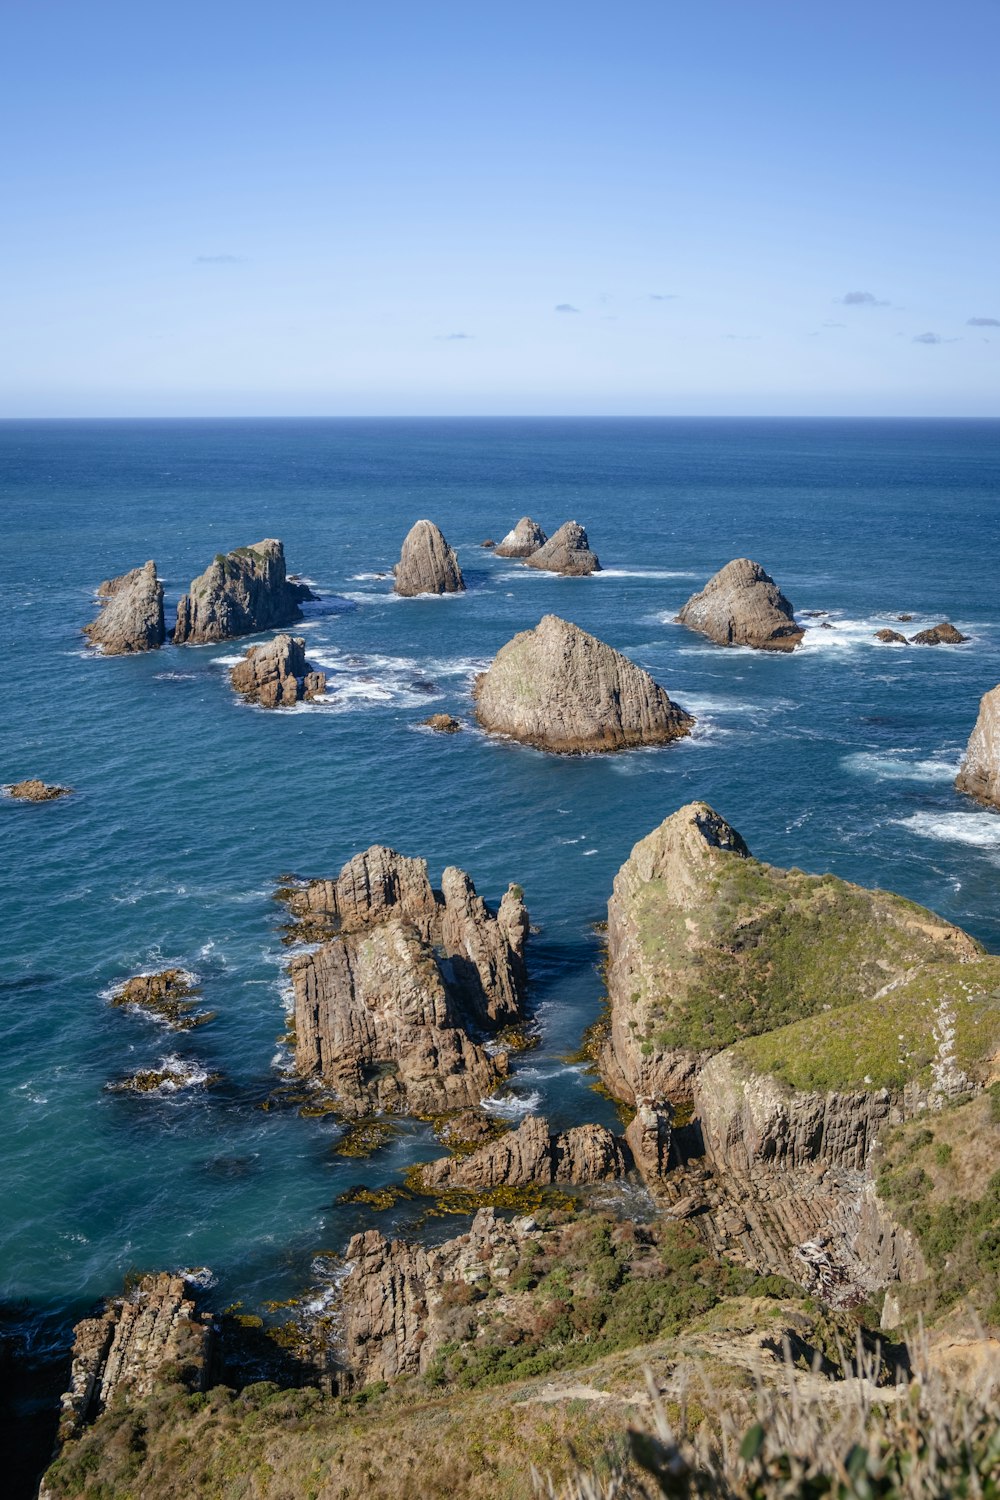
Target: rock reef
(427, 565)
(131, 617)
(169, 997)
(240, 593)
(277, 675)
(979, 773)
(558, 688)
(526, 537)
(443, 723)
(530, 1156)
(566, 551)
(741, 605)
(34, 790)
(393, 1010)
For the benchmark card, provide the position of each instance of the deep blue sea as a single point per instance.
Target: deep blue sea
(189, 805)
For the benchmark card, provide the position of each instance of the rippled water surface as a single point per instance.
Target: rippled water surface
(189, 804)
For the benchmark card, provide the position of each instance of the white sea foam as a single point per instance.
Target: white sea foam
(175, 676)
(645, 573)
(511, 1106)
(896, 767)
(588, 851)
(200, 1277)
(980, 830)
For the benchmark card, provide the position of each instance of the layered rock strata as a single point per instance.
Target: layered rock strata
(558, 688)
(979, 774)
(427, 565)
(393, 1010)
(127, 1348)
(648, 1137)
(741, 605)
(532, 1155)
(240, 593)
(707, 944)
(566, 551)
(277, 675)
(526, 538)
(131, 617)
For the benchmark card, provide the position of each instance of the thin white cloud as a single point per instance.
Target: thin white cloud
(860, 299)
(982, 323)
(566, 307)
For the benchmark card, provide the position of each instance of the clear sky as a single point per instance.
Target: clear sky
(715, 206)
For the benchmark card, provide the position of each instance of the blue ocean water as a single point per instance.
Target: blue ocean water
(190, 805)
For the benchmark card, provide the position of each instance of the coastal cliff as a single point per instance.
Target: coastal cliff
(979, 774)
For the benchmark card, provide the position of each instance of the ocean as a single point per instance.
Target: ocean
(189, 805)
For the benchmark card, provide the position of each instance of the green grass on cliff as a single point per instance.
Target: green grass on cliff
(770, 946)
(889, 1042)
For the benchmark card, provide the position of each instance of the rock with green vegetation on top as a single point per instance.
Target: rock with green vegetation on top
(979, 774)
(240, 593)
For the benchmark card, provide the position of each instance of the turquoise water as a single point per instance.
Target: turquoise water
(189, 805)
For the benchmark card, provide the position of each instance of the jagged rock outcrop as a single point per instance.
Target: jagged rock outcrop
(566, 551)
(532, 1155)
(277, 675)
(741, 605)
(34, 790)
(168, 997)
(391, 1010)
(396, 1311)
(979, 773)
(126, 1349)
(240, 593)
(707, 944)
(526, 538)
(649, 1135)
(891, 637)
(427, 565)
(944, 634)
(131, 617)
(558, 688)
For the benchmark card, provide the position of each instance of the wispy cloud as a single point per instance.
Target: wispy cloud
(220, 260)
(566, 307)
(933, 338)
(834, 325)
(983, 323)
(860, 299)
(449, 338)
(663, 296)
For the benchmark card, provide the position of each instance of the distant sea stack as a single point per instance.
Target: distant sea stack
(743, 606)
(131, 617)
(526, 538)
(568, 551)
(558, 688)
(240, 593)
(277, 675)
(979, 774)
(427, 565)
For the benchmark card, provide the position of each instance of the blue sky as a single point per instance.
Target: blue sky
(306, 208)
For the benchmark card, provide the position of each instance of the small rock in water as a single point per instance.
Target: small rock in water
(443, 723)
(489, 543)
(944, 634)
(526, 538)
(893, 637)
(36, 791)
(277, 675)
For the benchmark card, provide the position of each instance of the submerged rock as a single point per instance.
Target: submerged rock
(979, 774)
(443, 723)
(526, 537)
(36, 791)
(390, 1010)
(532, 1155)
(427, 565)
(741, 605)
(277, 675)
(240, 593)
(944, 634)
(131, 617)
(566, 551)
(558, 688)
(891, 637)
(169, 997)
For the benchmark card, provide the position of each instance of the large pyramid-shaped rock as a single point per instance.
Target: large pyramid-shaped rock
(979, 774)
(427, 565)
(558, 688)
(567, 551)
(743, 606)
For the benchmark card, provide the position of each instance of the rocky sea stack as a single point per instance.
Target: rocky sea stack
(131, 617)
(979, 774)
(567, 551)
(741, 605)
(390, 1011)
(277, 675)
(527, 537)
(558, 688)
(240, 593)
(427, 565)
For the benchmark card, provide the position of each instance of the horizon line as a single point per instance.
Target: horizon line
(554, 416)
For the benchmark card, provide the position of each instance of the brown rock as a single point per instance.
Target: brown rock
(427, 565)
(489, 544)
(527, 537)
(277, 675)
(944, 634)
(36, 791)
(240, 593)
(558, 688)
(742, 606)
(168, 996)
(131, 618)
(443, 723)
(567, 551)
(649, 1135)
(532, 1155)
(892, 637)
(979, 774)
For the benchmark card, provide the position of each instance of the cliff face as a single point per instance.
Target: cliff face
(742, 606)
(239, 593)
(527, 537)
(558, 688)
(388, 1011)
(131, 617)
(532, 1155)
(566, 551)
(707, 944)
(979, 774)
(277, 675)
(427, 565)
